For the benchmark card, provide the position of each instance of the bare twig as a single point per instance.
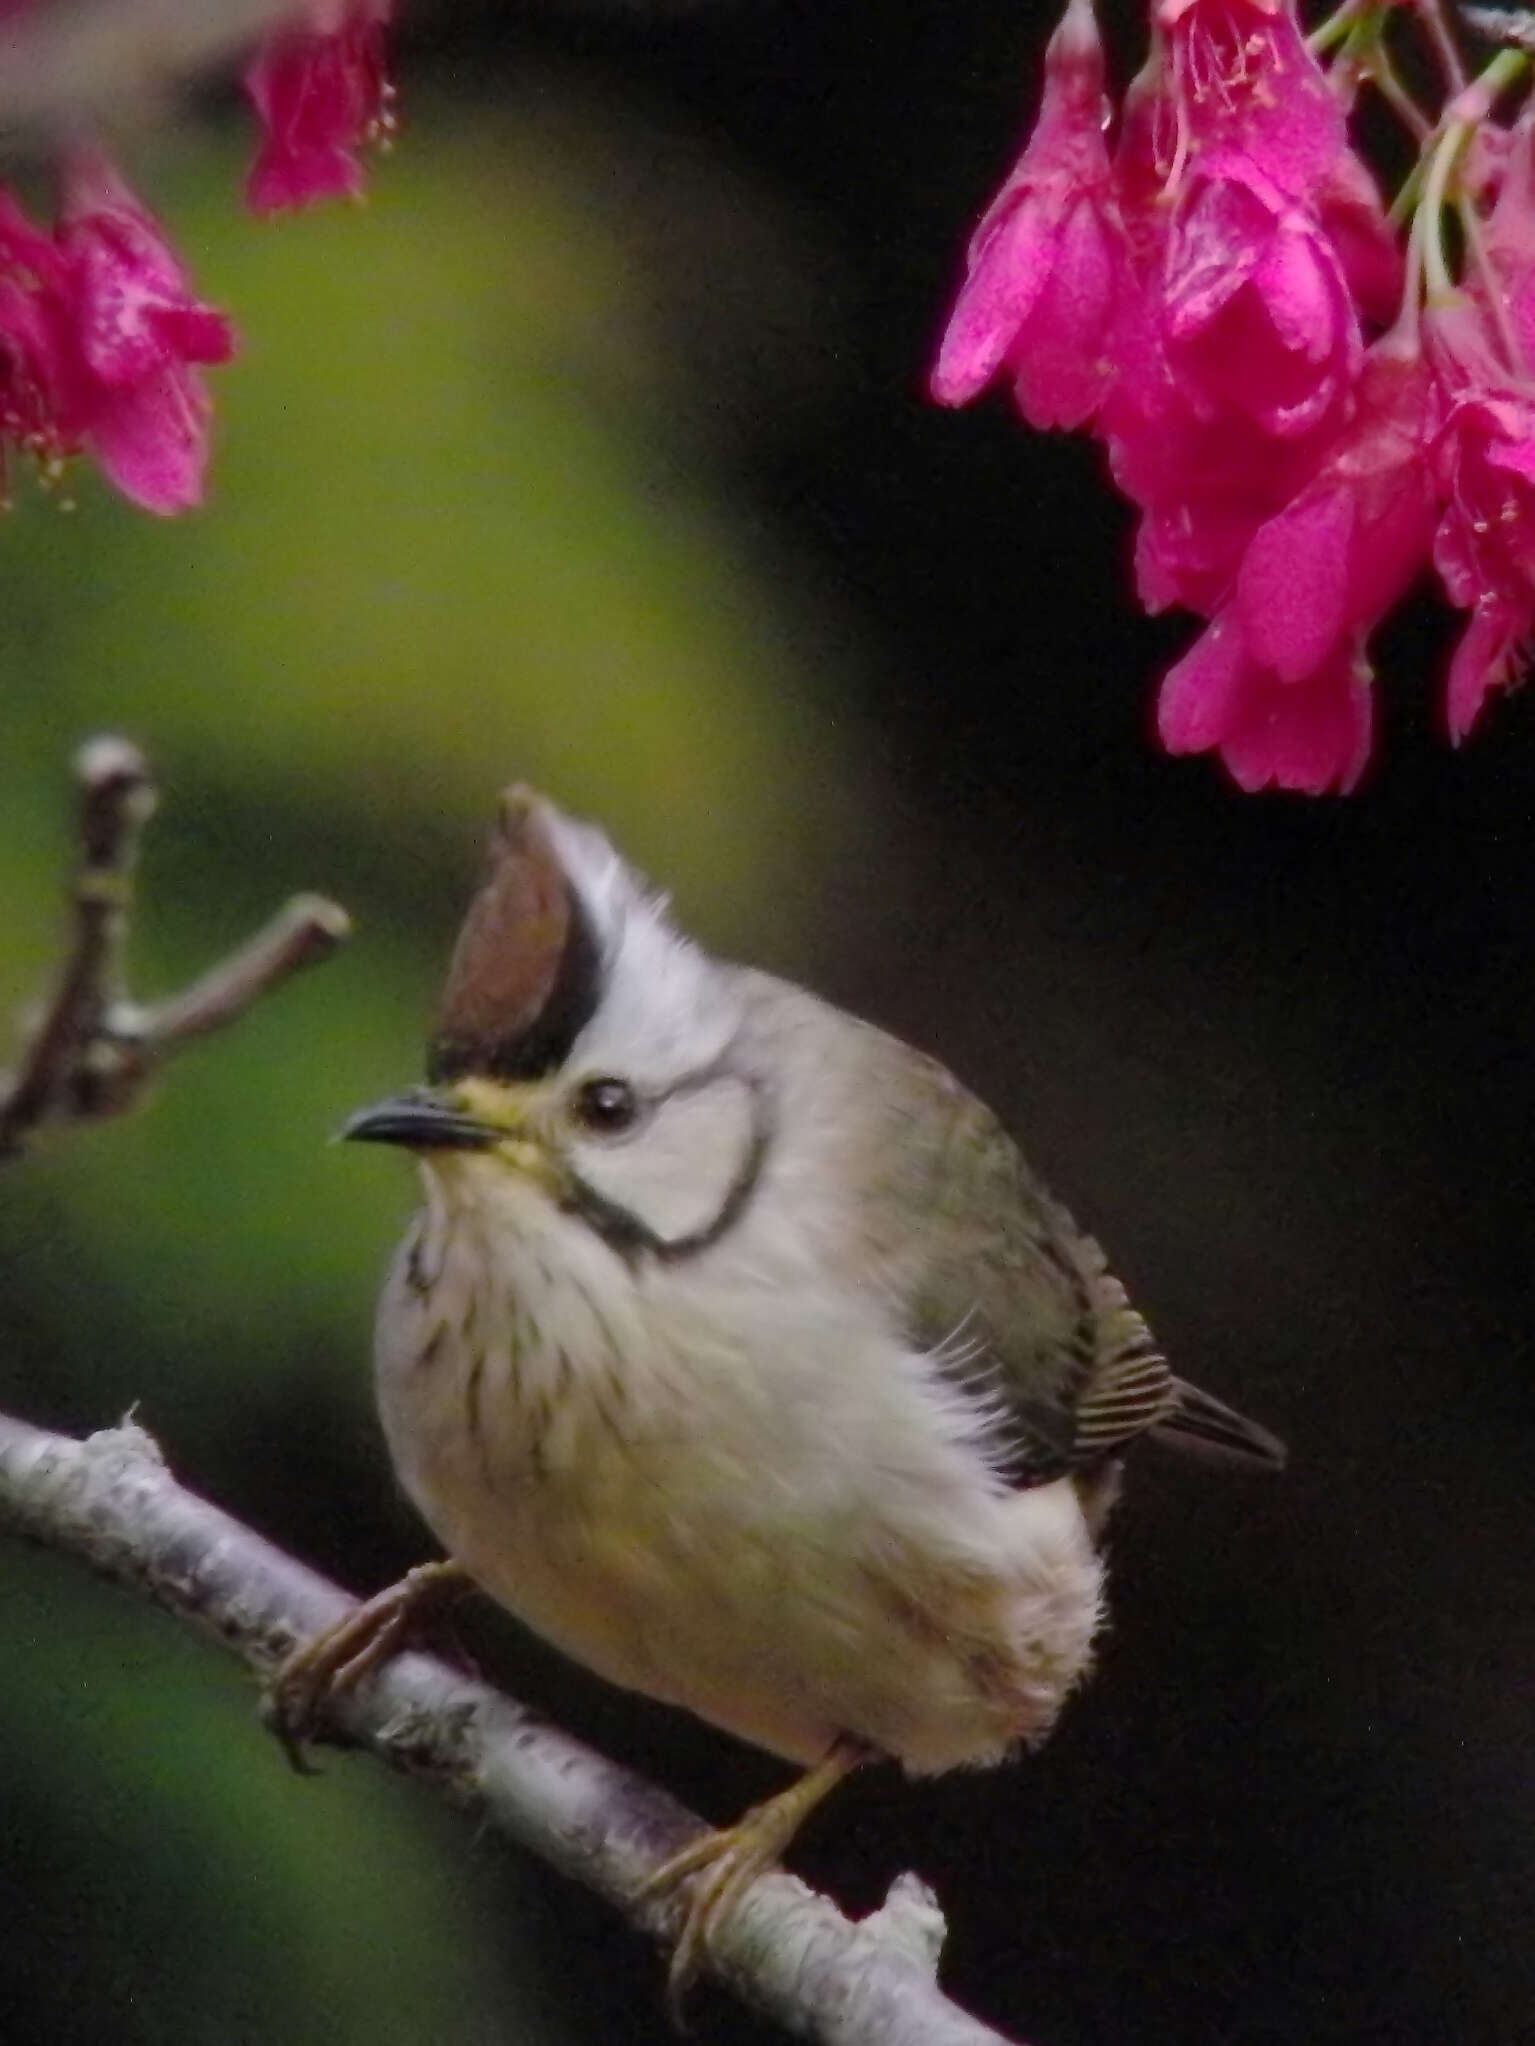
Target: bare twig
(111, 1500)
(117, 799)
(94, 1048)
(304, 931)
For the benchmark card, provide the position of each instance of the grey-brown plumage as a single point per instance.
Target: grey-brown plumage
(1018, 1301)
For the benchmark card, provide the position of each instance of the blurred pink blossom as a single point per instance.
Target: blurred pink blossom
(41, 400)
(322, 92)
(140, 333)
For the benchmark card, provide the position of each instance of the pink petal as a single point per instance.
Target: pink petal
(1061, 357)
(1202, 694)
(1300, 299)
(1482, 662)
(1293, 584)
(151, 439)
(1217, 240)
(1309, 739)
(195, 333)
(1188, 550)
(286, 179)
(995, 300)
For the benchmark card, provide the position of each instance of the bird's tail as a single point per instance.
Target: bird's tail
(1205, 1427)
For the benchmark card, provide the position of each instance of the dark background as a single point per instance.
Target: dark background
(1274, 1051)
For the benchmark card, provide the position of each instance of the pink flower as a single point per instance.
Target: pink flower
(1312, 735)
(142, 405)
(320, 88)
(1239, 78)
(1204, 479)
(1235, 358)
(1257, 314)
(40, 380)
(1485, 546)
(1233, 79)
(1045, 261)
(1278, 683)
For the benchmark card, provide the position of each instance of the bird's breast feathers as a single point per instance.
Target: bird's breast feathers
(762, 1505)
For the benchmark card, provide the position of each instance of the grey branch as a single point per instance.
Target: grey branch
(93, 1048)
(112, 1501)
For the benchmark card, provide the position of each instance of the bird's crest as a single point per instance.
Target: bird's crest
(560, 928)
(526, 972)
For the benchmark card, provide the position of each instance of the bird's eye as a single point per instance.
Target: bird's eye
(606, 1106)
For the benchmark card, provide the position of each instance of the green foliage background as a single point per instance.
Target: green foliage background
(456, 537)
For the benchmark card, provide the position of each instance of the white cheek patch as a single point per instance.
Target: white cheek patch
(680, 1169)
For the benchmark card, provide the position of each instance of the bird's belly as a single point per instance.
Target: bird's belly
(790, 1629)
(796, 1545)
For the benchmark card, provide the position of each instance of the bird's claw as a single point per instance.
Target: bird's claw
(721, 1867)
(294, 1704)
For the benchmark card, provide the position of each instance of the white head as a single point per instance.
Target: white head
(588, 1047)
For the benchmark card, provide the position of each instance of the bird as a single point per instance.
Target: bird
(736, 1349)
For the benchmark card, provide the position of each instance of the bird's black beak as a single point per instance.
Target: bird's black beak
(420, 1122)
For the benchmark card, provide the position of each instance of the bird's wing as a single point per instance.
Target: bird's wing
(1008, 1294)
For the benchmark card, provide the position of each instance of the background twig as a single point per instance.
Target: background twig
(94, 1048)
(117, 799)
(304, 931)
(112, 1501)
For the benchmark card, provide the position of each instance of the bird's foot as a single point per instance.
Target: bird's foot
(723, 1865)
(295, 1700)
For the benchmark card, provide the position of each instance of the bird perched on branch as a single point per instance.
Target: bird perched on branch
(737, 1350)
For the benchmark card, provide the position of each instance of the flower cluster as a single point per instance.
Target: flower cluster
(102, 336)
(1308, 398)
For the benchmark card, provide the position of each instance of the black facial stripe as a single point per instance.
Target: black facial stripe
(546, 1042)
(631, 1238)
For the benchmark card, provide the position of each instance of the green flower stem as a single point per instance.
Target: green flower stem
(1412, 286)
(1441, 152)
(1342, 22)
(1374, 63)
